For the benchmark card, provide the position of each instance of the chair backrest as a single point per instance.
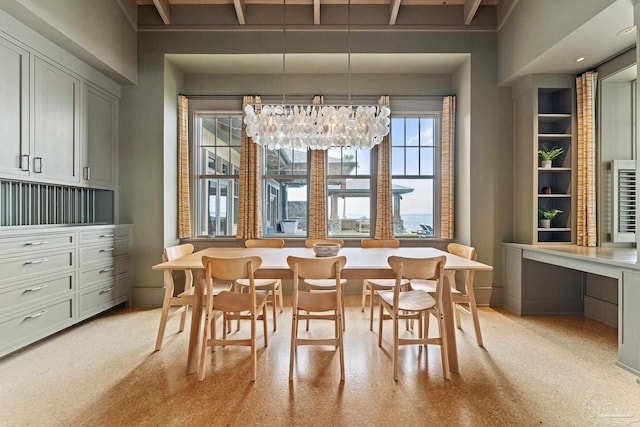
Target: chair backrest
(175, 252)
(264, 243)
(316, 268)
(418, 268)
(467, 252)
(310, 242)
(380, 243)
(231, 268)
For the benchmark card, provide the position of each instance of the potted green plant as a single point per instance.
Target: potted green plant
(546, 215)
(545, 155)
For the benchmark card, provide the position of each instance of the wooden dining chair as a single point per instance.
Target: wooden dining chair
(274, 286)
(369, 286)
(185, 298)
(326, 305)
(462, 301)
(415, 305)
(234, 305)
(320, 284)
(466, 302)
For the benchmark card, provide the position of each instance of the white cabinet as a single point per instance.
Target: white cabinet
(56, 118)
(55, 277)
(14, 110)
(100, 111)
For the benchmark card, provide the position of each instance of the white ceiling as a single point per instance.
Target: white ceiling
(329, 63)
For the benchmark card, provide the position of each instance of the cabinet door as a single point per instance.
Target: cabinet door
(55, 123)
(100, 119)
(14, 110)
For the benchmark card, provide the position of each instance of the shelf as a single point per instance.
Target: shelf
(553, 169)
(553, 229)
(553, 116)
(553, 135)
(555, 195)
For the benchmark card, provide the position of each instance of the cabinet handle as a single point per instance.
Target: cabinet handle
(106, 270)
(106, 250)
(104, 291)
(106, 235)
(33, 316)
(87, 173)
(37, 164)
(36, 261)
(24, 162)
(35, 243)
(35, 289)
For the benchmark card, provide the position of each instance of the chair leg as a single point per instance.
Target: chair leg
(340, 320)
(365, 291)
(476, 322)
(371, 299)
(426, 326)
(380, 316)
(273, 304)
(456, 313)
(203, 348)
(280, 298)
(396, 345)
(444, 349)
(183, 317)
(294, 336)
(254, 356)
(264, 323)
(164, 315)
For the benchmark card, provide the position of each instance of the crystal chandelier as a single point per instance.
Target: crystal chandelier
(317, 126)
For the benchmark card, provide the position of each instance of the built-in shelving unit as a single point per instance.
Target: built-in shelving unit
(554, 184)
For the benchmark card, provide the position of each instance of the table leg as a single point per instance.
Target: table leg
(196, 322)
(447, 312)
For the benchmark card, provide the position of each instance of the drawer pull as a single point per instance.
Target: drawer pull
(106, 270)
(33, 316)
(36, 261)
(104, 291)
(106, 235)
(35, 289)
(35, 243)
(106, 250)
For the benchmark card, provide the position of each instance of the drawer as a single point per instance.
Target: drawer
(104, 272)
(34, 264)
(103, 297)
(102, 253)
(30, 325)
(105, 235)
(35, 242)
(33, 292)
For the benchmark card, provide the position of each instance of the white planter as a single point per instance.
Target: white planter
(545, 164)
(545, 223)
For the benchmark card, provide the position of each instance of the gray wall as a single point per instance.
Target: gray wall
(146, 132)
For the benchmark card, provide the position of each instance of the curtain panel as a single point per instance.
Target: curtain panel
(250, 188)
(317, 228)
(447, 213)
(586, 229)
(184, 204)
(384, 198)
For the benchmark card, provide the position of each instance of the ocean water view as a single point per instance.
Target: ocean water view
(412, 222)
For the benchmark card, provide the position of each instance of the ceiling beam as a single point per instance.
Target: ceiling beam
(164, 9)
(239, 6)
(470, 9)
(316, 12)
(394, 5)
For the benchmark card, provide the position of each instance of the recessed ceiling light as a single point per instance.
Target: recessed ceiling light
(626, 31)
(580, 58)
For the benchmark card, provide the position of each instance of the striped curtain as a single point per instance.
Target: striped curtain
(384, 203)
(447, 182)
(184, 208)
(250, 194)
(586, 232)
(317, 192)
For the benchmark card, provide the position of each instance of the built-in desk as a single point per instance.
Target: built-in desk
(555, 279)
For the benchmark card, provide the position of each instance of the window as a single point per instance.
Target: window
(414, 160)
(218, 164)
(352, 177)
(348, 192)
(285, 192)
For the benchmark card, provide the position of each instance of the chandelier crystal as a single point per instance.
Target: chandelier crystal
(317, 126)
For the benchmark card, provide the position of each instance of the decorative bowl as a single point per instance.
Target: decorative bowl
(326, 249)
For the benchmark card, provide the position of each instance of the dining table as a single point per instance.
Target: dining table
(362, 263)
